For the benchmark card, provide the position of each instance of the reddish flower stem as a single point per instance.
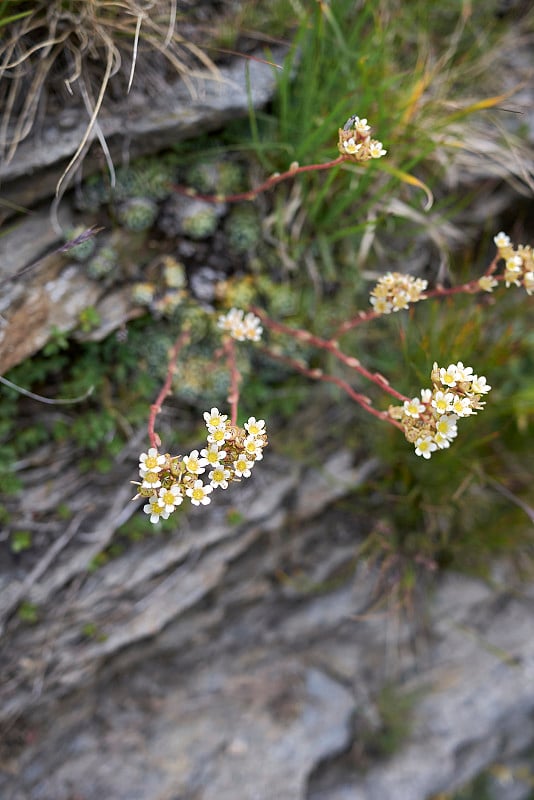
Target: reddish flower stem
(155, 408)
(363, 316)
(319, 375)
(263, 187)
(331, 347)
(235, 378)
(471, 287)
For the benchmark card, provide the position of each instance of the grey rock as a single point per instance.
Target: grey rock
(146, 124)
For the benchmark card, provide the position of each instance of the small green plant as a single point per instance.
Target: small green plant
(92, 632)
(88, 319)
(28, 612)
(20, 541)
(391, 726)
(57, 341)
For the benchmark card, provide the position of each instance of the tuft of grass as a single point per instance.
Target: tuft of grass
(76, 47)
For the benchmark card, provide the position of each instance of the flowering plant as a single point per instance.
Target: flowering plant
(429, 420)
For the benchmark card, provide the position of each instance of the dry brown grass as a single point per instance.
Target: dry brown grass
(61, 48)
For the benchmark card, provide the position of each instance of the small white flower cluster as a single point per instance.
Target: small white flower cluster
(229, 455)
(395, 291)
(429, 422)
(518, 265)
(355, 141)
(241, 326)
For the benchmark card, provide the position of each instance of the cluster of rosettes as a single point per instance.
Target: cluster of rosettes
(429, 422)
(229, 455)
(241, 326)
(395, 291)
(518, 265)
(355, 141)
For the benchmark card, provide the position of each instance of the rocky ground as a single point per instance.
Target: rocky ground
(248, 661)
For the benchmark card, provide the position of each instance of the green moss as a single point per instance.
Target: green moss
(83, 251)
(200, 222)
(243, 229)
(138, 213)
(103, 263)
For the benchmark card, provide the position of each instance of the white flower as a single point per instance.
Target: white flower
(213, 455)
(242, 467)
(151, 480)
(376, 150)
(487, 283)
(360, 125)
(253, 329)
(255, 427)
(389, 279)
(424, 446)
(528, 282)
(441, 441)
(462, 406)
(219, 436)
(199, 493)
(513, 271)
(253, 448)
(442, 401)
(214, 419)
(219, 477)
(512, 278)
(415, 290)
(413, 408)
(151, 461)
(449, 375)
(351, 146)
(381, 305)
(426, 396)
(502, 240)
(229, 320)
(241, 327)
(170, 498)
(446, 426)
(463, 374)
(400, 300)
(194, 463)
(479, 385)
(155, 510)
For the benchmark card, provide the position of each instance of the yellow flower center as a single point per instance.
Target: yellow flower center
(198, 494)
